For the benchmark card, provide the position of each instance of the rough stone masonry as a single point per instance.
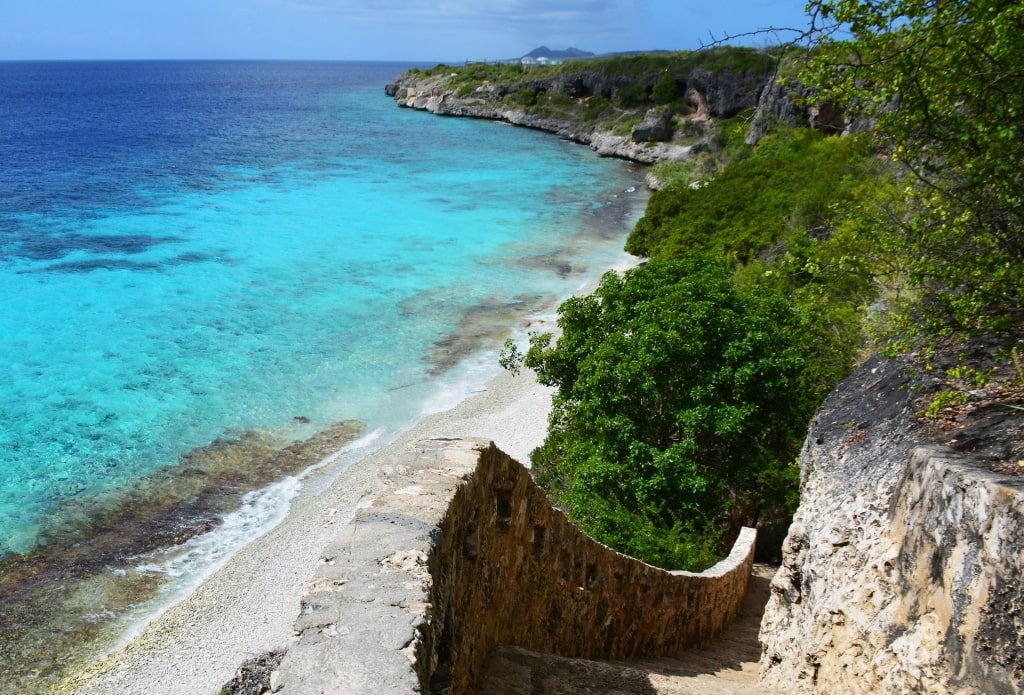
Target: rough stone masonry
(459, 551)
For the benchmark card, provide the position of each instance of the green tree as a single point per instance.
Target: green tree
(680, 408)
(666, 90)
(792, 183)
(943, 83)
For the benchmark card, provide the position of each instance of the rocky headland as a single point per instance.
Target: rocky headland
(659, 134)
(644, 134)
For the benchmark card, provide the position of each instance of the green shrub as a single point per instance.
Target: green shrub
(791, 182)
(942, 400)
(666, 91)
(595, 108)
(679, 409)
(525, 97)
(633, 95)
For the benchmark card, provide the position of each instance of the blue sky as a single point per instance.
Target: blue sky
(405, 30)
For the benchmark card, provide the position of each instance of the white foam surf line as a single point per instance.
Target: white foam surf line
(185, 567)
(472, 374)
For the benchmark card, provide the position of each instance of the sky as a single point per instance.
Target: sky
(400, 30)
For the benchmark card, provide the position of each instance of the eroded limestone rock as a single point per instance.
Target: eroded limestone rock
(900, 572)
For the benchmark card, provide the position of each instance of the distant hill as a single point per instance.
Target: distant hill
(545, 52)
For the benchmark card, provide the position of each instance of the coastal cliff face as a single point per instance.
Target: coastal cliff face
(902, 568)
(707, 94)
(663, 135)
(789, 104)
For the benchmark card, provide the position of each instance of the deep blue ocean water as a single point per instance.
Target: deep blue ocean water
(192, 250)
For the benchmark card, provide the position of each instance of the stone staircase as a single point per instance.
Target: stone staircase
(458, 550)
(728, 666)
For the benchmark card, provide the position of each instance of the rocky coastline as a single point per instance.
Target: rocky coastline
(658, 134)
(708, 95)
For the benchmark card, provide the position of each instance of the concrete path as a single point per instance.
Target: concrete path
(728, 666)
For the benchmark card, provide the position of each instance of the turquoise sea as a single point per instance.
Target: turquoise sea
(206, 264)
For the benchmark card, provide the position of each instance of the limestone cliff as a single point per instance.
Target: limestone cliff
(788, 103)
(663, 135)
(707, 95)
(902, 569)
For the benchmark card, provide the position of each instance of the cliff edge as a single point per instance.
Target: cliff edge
(901, 571)
(657, 134)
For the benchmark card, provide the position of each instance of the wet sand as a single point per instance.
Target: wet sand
(248, 606)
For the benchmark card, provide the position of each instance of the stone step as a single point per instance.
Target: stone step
(728, 666)
(513, 671)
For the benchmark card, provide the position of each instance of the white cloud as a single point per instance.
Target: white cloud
(587, 12)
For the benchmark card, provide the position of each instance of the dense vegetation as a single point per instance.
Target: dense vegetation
(684, 386)
(681, 402)
(629, 84)
(944, 85)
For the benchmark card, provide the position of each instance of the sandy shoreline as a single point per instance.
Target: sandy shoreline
(248, 606)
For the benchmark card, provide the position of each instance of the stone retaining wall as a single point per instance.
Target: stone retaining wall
(460, 551)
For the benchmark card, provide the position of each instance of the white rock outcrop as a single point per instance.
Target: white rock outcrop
(902, 569)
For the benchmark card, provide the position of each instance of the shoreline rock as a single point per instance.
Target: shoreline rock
(708, 95)
(436, 94)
